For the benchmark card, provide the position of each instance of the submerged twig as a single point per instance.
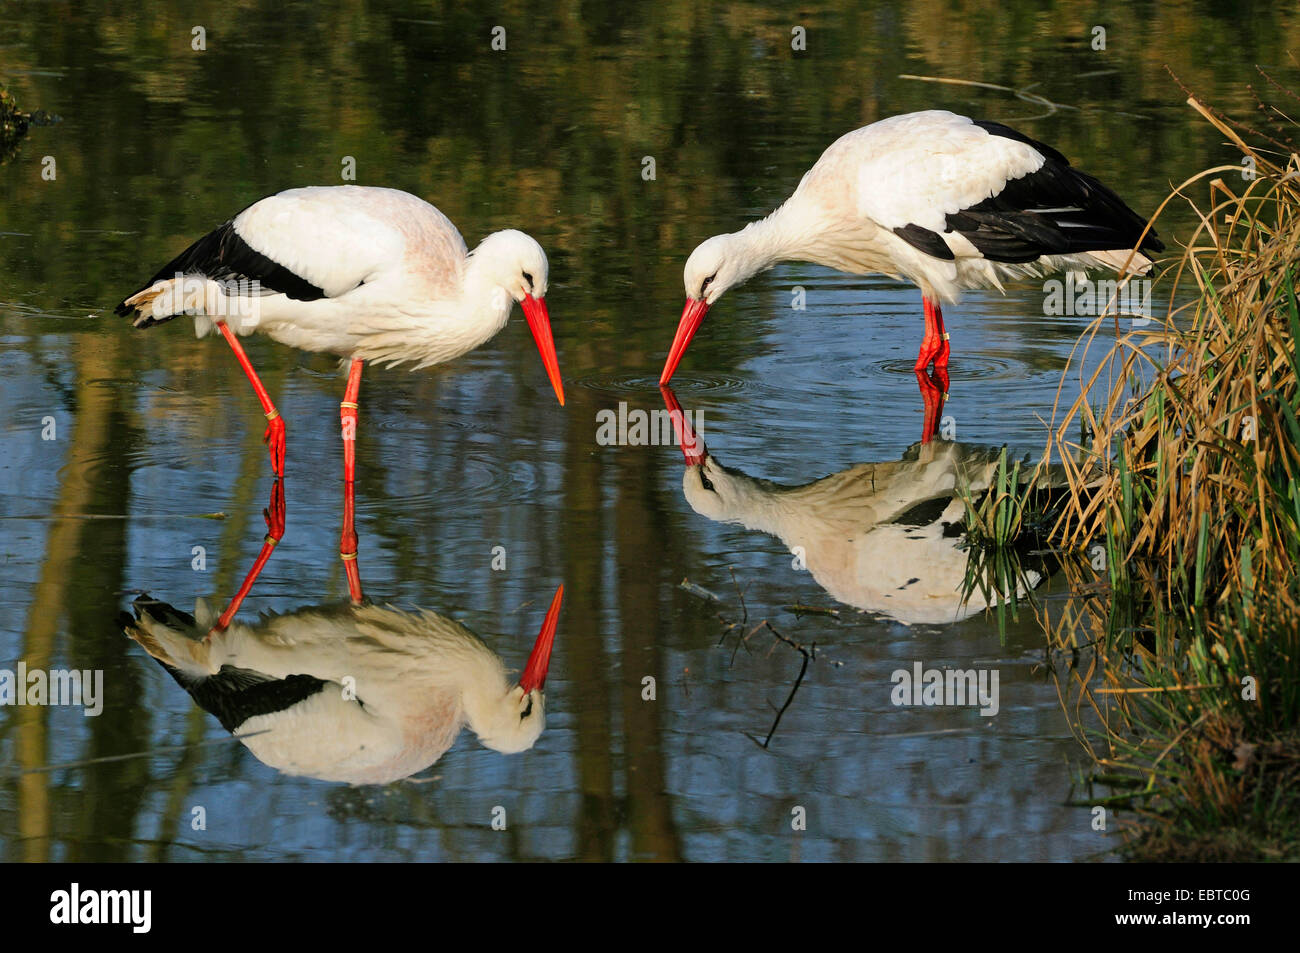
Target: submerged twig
(745, 633)
(1023, 94)
(808, 656)
(50, 517)
(798, 608)
(687, 586)
(107, 759)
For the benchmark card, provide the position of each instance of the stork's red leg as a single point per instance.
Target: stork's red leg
(934, 346)
(274, 436)
(348, 540)
(941, 355)
(274, 515)
(934, 385)
(925, 352)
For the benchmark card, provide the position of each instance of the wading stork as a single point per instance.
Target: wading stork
(369, 274)
(941, 200)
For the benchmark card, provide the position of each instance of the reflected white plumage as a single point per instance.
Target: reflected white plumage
(361, 694)
(865, 534)
(884, 537)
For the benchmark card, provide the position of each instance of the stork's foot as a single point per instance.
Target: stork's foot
(941, 356)
(348, 543)
(348, 553)
(274, 439)
(934, 350)
(354, 579)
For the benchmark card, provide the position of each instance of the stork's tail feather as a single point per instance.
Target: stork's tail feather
(152, 305)
(160, 630)
(1138, 263)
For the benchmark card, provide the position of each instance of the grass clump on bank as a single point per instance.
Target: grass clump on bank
(1184, 502)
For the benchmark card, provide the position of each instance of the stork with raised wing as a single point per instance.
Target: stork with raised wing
(943, 201)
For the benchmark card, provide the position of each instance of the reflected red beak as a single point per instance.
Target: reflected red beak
(539, 322)
(540, 659)
(693, 448)
(692, 316)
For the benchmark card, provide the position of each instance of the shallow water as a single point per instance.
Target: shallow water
(159, 142)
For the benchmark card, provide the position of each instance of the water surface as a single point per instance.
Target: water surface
(159, 142)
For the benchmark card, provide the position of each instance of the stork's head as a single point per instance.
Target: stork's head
(512, 721)
(714, 266)
(718, 492)
(710, 488)
(516, 265)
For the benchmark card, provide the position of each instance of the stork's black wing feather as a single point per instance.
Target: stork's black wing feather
(233, 695)
(926, 240)
(223, 255)
(1006, 132)
(1056, 210)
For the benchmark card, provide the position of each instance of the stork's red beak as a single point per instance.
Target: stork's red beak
(540, 659)
(539, 322)
(692, 316)
(693, 448)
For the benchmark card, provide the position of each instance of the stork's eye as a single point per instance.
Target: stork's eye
(528, 709)
(528, 278)
(706, 482)
(704, 287)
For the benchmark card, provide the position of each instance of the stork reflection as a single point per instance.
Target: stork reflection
(348, 691)
(884, 537)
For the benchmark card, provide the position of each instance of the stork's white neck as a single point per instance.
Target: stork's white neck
(483, 686)
(802, 231)
(485, 302)
(769, 241)
(753, 503)
(843, 504)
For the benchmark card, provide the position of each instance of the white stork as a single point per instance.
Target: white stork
(361, 694)
(369, 274)
(941, 200)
